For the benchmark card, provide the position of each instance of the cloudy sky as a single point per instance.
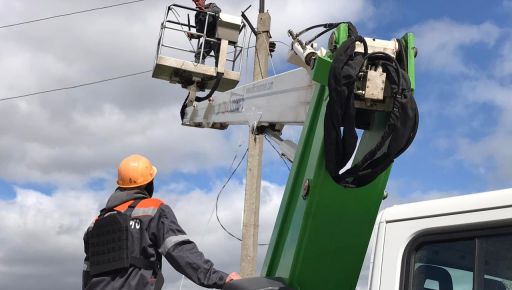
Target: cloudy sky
(60, 150)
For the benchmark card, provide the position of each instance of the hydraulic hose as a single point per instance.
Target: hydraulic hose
(324, 25)
(212, 91)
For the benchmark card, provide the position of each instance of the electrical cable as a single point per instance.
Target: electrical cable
(277, 151)
(259, 61)
(244, 50)
(234, 158)
(71, 13)
(220, 192)
(271, 61)
(281, 42)
(218, 197)
(247, 57)
(76, 86)
(174, 12)
(253, 46)
(212, 211)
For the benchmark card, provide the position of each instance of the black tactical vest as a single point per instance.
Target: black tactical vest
(109, 247)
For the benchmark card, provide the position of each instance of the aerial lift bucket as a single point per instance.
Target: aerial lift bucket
(198, 75)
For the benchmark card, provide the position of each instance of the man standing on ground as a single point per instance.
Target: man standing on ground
(125, 244)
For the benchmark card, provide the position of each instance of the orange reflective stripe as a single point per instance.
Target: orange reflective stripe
(150, 203)
(124, 206)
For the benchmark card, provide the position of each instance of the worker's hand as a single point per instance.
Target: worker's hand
(233, 276)
(191, 35)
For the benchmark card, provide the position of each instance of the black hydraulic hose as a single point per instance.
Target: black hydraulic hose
(184, 107)
(309, 28)
(201, 99)
(321, 33)
(212, 91)
(402, 52)
(325, 25)
(365, 45)
(386, 61)
(386, 57)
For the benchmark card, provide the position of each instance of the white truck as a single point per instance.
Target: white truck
(456, 243)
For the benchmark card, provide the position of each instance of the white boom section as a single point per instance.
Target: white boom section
(281, 99)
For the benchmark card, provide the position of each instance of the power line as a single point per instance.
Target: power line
(220, 192)
(282, 42)
(76, 86)
(90, 83)
(71, 13)
(218, 197)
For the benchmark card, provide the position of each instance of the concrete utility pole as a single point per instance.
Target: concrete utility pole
(253, 184)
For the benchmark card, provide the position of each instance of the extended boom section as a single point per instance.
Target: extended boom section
(281, 99)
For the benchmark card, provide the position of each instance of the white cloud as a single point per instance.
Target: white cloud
(504, 65)
(82, 145)
(70, 137)
(489, 154)
(479, 102)
(42, 244)
(440, 43)
(41, 239)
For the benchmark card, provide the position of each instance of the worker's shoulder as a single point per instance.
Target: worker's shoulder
(213, 6)
(150, 203)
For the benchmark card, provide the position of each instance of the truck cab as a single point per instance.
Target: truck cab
(455, 243)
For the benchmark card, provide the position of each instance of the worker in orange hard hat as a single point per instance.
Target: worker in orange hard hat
(125, 244)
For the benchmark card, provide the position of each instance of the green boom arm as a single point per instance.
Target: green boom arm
(323, 229)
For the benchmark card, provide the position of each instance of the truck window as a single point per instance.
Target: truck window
(482, 262)
(496, 259)
(445, 266)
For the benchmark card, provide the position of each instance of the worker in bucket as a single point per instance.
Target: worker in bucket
(211, 28)
(125, 244)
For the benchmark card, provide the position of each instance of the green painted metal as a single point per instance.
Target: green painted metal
(408, 38)
(321, 72)
(322, 229)
(341, 33)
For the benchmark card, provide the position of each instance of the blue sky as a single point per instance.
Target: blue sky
(435, 163)
(61, 149)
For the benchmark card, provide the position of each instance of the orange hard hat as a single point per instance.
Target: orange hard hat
(135, 170)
